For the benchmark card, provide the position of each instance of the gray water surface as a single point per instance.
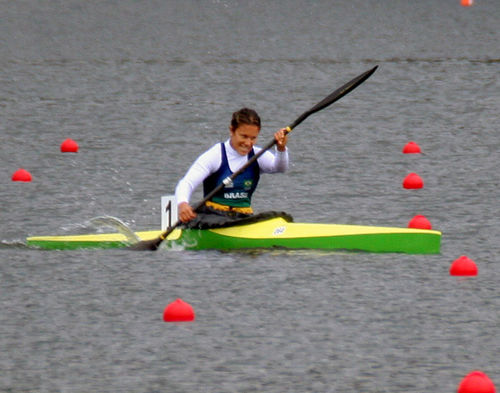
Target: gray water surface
(144, 87)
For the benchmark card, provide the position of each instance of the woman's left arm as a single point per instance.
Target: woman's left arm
(271, 162)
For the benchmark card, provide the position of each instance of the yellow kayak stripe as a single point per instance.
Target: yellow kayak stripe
(278, 227)
(105, 237)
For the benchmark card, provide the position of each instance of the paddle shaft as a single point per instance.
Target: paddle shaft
(327, 101)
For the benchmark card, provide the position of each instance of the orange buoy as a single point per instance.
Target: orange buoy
(411, 148)
(69, 146)
(178, 311)
(413, 181)
(21, 175)
(476, 382)
(463, 266)
(419, 222)
(466, 3)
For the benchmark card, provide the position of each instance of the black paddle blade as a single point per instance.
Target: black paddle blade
(153, 244)
(146, 245)
(335, 96)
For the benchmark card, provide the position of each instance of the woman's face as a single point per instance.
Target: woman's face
(244, 137)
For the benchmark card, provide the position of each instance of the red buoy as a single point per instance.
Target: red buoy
(178, 311)
(69, 146)
(466, 3)
(463, 266)
(476, 382)
(411, 148)
(413, 181)
(419, 222)
(21, 175)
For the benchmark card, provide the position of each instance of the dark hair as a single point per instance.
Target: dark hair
(245, 116)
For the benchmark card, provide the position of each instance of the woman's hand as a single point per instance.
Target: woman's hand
(186, 212)
(281, 138)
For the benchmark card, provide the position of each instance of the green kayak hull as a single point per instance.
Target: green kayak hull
(272, 233)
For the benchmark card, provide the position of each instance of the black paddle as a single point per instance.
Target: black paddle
(336, 95)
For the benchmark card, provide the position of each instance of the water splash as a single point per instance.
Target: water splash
(118, 225)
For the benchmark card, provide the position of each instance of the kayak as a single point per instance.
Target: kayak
(275, 232)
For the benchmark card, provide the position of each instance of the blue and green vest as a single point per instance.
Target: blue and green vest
(240, 194)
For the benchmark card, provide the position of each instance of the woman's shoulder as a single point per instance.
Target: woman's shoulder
(211, 150)
(210, 156)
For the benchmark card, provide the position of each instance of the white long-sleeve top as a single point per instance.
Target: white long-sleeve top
(210, 161)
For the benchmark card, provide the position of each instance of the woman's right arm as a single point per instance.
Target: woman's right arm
(199, 171)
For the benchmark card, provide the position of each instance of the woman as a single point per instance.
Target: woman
(225, 158)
